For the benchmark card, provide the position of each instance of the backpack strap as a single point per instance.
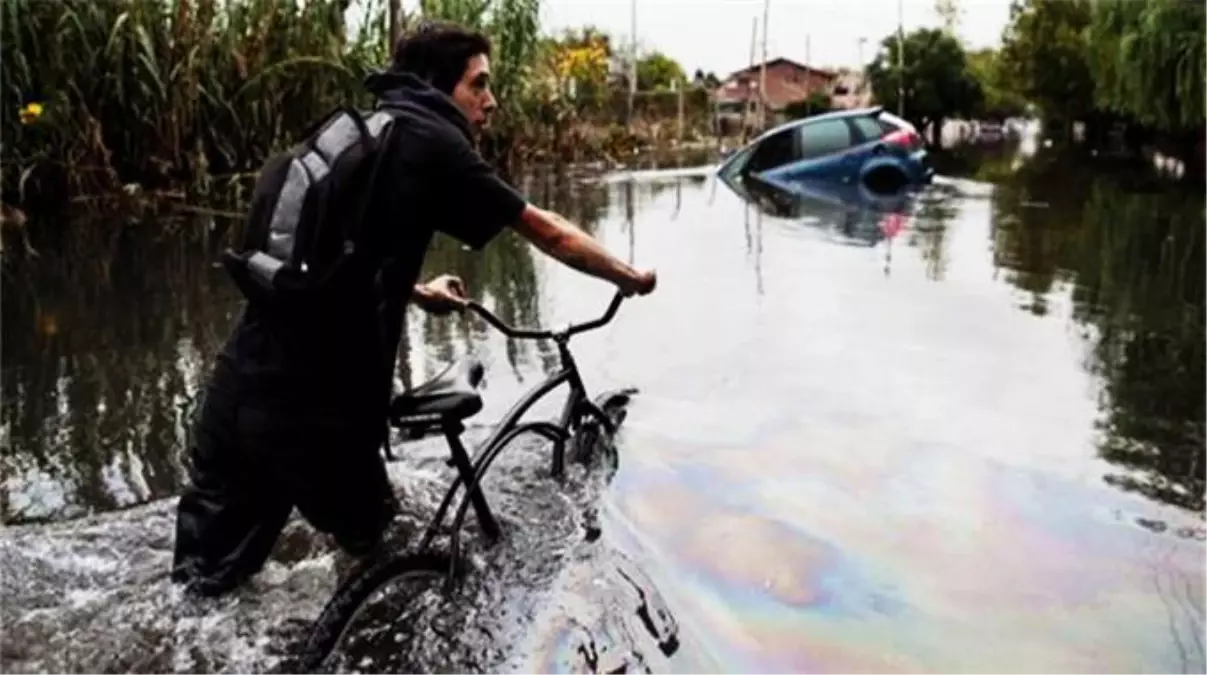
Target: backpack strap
(379, 147)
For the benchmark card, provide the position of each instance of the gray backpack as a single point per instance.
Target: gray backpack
(301, 242)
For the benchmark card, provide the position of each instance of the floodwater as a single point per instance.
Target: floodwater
(966, 436)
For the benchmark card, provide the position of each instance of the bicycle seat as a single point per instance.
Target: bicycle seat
(450, 395)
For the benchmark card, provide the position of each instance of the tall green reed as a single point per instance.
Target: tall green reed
(157, 90)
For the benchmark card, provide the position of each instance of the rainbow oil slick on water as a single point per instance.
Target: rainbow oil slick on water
(1001, 590)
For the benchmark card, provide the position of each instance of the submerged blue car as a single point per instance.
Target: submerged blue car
(869, 146)
(850, 213)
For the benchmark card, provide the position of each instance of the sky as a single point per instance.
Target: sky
(714, 35)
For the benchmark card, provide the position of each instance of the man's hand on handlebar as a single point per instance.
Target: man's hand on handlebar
(444, 294)
(642, 282)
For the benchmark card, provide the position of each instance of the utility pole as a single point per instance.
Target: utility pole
(632, 58)
(746, 117)
(808, 80)
(754, 39)
(763, 70)
(860, 73)
(679, 89)
(900, 60)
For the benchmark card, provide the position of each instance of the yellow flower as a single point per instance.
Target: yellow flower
(30, 113)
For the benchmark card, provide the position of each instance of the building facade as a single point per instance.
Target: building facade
(738, 97)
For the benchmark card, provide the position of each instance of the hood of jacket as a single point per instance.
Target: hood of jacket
(406, 91)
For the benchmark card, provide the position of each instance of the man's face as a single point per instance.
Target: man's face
(472, 94)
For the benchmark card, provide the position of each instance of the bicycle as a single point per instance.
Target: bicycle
(441, 405)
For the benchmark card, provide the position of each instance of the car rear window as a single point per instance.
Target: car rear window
(890, 122)
(870, 128)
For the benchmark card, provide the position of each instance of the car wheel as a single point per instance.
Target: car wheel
(885, 179)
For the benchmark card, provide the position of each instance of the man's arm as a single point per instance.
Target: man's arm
(562, 240)
(484, 204)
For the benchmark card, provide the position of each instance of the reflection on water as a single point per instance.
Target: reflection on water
(102, 353)
(957, 430)
(104, 350)
(1134, 256)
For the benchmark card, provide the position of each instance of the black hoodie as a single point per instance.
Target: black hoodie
(406, 91)
(435, 180)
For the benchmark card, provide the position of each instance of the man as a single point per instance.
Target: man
(294, 412)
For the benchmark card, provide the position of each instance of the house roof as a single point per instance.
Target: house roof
(781, 59)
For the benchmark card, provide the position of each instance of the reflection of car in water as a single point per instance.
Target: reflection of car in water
(853, 212)
(868, 146)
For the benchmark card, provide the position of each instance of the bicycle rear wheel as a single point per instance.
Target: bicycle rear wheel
(415, 573)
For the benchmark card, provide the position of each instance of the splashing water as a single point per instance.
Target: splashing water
(94, 595)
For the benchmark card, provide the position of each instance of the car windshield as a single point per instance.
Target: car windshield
(732, 168)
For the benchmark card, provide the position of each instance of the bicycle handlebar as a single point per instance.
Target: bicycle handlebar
(513, 332)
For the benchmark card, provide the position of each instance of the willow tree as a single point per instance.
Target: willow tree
(1147, 61)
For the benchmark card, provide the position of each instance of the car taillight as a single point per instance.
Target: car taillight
(904, 138)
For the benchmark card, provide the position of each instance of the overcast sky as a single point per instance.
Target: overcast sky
(715, 34)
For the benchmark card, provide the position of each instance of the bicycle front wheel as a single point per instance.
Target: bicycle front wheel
(591, 443)
(411, 574)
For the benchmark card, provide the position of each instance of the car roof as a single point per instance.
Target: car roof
(832, 115)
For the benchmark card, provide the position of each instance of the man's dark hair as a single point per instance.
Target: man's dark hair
(439, 51)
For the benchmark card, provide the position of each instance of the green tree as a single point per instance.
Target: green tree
(658, 71)
(1000, 100)
(937, 80)
(709, 79)
(1044, 54)
(1147, 61)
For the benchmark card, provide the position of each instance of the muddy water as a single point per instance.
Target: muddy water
(964, 437)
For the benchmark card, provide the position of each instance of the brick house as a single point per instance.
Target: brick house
(787, 82)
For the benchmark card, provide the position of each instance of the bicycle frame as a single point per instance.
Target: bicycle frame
(470, 472)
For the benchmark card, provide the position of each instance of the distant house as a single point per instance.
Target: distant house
(787, 81)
